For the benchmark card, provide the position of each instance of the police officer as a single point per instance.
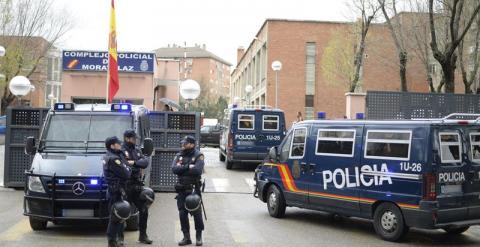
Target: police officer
(116, 172)
(135, 185)
(188, 166)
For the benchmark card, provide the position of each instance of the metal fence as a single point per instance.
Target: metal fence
(21, 123)
(167, 129)
(404, 105)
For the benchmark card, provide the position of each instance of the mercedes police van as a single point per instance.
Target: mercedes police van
(400, 174)
(65, 181)
(249, 133)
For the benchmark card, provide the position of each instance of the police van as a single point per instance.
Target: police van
(400, 174)
(249, 133)
(65, 181)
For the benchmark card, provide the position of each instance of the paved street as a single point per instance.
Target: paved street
(235, 218)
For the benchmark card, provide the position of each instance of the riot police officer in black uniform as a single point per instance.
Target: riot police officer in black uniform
(139, 195)
(116, 172)
(188, 166)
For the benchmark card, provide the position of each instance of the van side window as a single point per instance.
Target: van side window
(475, 146)
(388, 144)
(270, 122)
(450, 147)
(335, 142)
(297, 149)
(246, 122)
(285, 149)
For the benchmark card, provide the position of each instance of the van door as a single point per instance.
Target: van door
(269, 131)
(334, 160)
(453, 169)
(243, 126)
(472, 185)
(294, 177)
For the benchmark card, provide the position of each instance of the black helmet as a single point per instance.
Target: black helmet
(147, 195)
(192, 202)
(111, 140)
(120, 211)
(188, 139)
(129, 133)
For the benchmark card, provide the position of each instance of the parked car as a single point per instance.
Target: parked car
(210, 135)
(3, 129)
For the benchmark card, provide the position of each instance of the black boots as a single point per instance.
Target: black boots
(143, 238)
(112, 243)
(186, 239)
(199, 239)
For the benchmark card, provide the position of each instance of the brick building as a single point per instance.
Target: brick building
(302, 86)
(209, 70)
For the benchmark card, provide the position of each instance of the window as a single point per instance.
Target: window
(309, 113)
(297, 149)
(310, 71)
(381, 144)
(246, 122)
(475, 146)
(332, 142)
(285, 148)
(270, 122)
(450, 147)
(309, 100)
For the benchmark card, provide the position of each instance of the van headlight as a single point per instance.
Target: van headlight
(35, 184)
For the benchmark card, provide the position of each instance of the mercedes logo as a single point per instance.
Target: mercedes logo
(78, 188)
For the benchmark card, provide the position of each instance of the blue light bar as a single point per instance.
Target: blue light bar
(93, 181)
(61, 181)
(64, 107)
(121, 107)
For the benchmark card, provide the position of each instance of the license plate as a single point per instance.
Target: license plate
(447, 189)
(77, 212)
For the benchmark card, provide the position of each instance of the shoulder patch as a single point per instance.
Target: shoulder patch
(118, 162)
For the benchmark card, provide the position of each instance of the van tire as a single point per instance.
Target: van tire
(221, 157)
(37, 224)
(389, 223)
(132, 222)
(229, 164)
(456, 230)
(276, 202)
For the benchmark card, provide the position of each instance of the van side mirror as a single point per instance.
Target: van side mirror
(147, 147)
(30, 148)
(273, 153)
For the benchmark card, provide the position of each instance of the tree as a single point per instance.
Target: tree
(368, 10)
(447, 56)
(24, 25)
(469, 62)
(398, 38)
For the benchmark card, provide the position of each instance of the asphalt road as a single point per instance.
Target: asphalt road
(235, 218)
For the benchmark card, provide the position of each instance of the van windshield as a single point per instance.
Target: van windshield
(83, 131)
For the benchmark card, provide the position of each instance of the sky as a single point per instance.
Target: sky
(222, 25)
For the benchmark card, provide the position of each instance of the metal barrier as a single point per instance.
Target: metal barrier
(21, 123)
(404, 105)
(167, 130)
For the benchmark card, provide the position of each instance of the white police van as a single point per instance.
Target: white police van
(65, 182)
(400, 174)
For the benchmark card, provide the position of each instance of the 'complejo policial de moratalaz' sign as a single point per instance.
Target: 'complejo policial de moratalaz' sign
(98, 61)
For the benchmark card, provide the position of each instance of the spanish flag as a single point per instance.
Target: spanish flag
(113, 83)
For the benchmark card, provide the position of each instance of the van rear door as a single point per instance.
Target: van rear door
(269, 131)
(454, 170)
(472, 187)
(243, 126)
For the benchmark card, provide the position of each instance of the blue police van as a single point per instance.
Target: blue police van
(65, 182)
(400, 174)
(249, 133)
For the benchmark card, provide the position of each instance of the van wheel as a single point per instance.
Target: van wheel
(389, 223)
(221, 157)
(229, 164)
(132, 223)
(37, 224)
(275, 202)
(456, 230)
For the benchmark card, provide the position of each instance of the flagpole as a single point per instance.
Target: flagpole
(108, 76)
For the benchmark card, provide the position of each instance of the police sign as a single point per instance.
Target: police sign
(98, 61)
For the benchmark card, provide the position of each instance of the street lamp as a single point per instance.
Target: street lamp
(276, 66)
(189, 90)
(2, 51)
(248, 90)
(20, 86)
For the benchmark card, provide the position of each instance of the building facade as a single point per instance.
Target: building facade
(197, 63)
(302, 85)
